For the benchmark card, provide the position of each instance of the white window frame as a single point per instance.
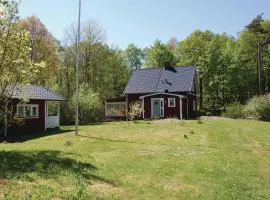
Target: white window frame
(31, 111)
(174, 104)
(47, 109)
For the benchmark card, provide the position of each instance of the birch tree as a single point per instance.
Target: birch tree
(15, 65)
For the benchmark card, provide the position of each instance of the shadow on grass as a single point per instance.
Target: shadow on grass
(110, 140)
(22, 137)
(161, 144)
(31, 165)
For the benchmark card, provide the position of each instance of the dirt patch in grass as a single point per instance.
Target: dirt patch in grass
(105, 189)
(176, 186)
(165, 121)
(3, 182)
(256, 147)
(213, 118)
(179, 187)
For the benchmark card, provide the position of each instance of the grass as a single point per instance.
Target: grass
(217, 159)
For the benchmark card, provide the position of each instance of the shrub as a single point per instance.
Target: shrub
(258, 108)
(135, 110)
(90, 105)
(234, 111)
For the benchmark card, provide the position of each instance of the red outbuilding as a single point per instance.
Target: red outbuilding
(168, 92)
(39, 111)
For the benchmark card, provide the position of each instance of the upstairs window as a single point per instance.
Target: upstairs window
(171, 102)
(27, 111)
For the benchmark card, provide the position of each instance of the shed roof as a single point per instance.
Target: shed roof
(35, 92)
(171, 79)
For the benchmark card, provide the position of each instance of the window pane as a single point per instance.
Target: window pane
(34, 111)
(52, 108)
(171, 102)
(27, 111)
(20, 111)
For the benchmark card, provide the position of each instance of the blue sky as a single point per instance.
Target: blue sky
(142, 21)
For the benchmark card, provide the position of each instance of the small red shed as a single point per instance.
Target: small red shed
(41, 112)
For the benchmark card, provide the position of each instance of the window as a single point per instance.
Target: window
(171, 102)
(52, 108)
(20, 111)
(27, 111)
(194, 106)
(34, 111)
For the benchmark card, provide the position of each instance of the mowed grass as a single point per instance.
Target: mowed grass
(218, 159)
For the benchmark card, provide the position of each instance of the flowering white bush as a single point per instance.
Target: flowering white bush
(135, 110)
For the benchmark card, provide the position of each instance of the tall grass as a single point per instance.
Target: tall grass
(234, 111)
(257, 108)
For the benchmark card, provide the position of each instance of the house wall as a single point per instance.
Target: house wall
(192, 113)
(169, 112)
(33, 125)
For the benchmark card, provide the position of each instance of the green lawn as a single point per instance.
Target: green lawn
(219, 159)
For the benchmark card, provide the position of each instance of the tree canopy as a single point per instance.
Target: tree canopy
(159, 55)
(227, 66)
(16, 67)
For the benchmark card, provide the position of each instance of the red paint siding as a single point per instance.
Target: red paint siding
(192, 113)
(169, 112)
(33, 125)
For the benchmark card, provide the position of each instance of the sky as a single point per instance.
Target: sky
(143, 21)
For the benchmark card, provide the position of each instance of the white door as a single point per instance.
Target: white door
(52, 116)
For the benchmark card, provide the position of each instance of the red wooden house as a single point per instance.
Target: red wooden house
(41, 112)
(168, 92)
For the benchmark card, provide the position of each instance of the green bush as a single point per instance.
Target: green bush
(258, 108)
(90, 105)
(234, 111)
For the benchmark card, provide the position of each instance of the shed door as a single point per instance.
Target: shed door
(52, 117)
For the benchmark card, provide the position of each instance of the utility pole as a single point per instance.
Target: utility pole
(77, 70)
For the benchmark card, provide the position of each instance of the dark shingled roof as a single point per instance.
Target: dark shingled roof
(35, 92)
(171, 79)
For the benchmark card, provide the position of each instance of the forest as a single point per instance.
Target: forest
(227, 65)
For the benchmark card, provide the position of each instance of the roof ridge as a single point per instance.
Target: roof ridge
(150, 68)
